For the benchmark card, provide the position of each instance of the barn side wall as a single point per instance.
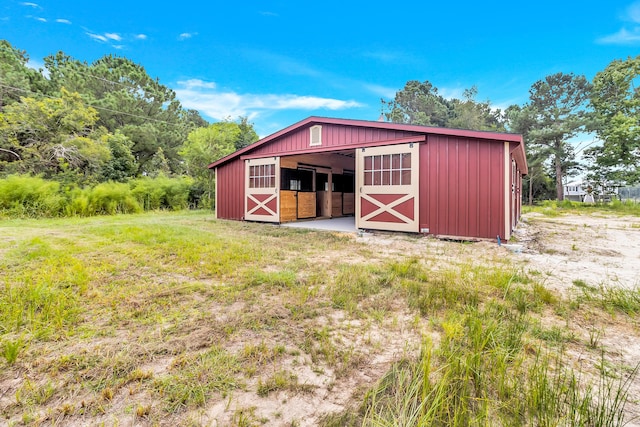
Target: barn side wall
(230, 190)
(462, 187)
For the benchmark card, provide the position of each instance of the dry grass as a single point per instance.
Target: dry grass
(178, 319)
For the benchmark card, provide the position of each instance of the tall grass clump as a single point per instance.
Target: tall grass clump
(107, 198)
(484, 373)
(27, 196)
(162, 192)
(613, 298)
(24, 196)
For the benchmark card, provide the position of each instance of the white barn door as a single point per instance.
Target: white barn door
(262, 189)
(387, 187)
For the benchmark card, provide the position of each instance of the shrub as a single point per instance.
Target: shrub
(111, 198)
(162, 192)
(30, 196)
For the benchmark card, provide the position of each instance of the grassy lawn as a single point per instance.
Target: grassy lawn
(178, 319)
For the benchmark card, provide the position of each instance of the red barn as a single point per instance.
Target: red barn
(397, 177)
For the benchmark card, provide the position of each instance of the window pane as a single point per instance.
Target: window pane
(367, 178)
(252, 171)
(386, 177)
(406, 161)
(395, 177)
(377, 178)
(406, 177)
(395, 164)
(377, 163)
(252, 182)
(386, 162)
(368, 163)
(272, 181)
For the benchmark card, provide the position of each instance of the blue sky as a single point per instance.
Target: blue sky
(278, 62)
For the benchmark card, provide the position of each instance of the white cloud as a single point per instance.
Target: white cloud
(382, 56)
(34, 5)
(98, 37)
(221, 105)
(633, 13)
(113, 36)
(625, 36)
(383, 91)
(622, 37)
(141, 36)
(196, 83)
(117, 46)
(185, 36)
(283, 64)
(63, 21)
(37, 18)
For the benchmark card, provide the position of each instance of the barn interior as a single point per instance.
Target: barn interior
(317, 186)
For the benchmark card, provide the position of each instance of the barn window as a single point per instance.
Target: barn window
(387, 169)
(262, 176)
(316, 135)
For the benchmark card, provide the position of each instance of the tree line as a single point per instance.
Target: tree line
(560, 107)
(83, 124)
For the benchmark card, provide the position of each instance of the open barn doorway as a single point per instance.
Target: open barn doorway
(317, 186)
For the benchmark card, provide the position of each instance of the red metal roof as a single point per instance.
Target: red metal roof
(313, 120)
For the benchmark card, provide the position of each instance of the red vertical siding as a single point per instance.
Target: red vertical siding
(462, 187)
(230, 190)
(332, 136)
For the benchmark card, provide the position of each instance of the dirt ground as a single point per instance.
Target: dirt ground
(557, 251)
(565, 253)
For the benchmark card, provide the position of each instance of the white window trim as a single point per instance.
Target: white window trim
(315, 141)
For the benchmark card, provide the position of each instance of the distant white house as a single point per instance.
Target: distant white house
(576, 192)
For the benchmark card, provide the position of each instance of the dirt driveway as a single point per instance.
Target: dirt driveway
(567, 253)
(592, 250)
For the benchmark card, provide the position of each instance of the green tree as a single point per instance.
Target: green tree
(419, 104)
(535, 184)
(16, 79)
(50, 136)
(131, 101)
(204, 146)
(555, 113)
(470, 114)
(158, 165)
(247, 133)
(615, 98)
(122, 165)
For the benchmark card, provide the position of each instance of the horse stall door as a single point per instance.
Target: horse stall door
(262, 185)
(387, 187)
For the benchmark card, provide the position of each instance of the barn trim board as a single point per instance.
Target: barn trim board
(451, 182)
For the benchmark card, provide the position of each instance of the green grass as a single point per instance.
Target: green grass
(157, 317)
(553, 208)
